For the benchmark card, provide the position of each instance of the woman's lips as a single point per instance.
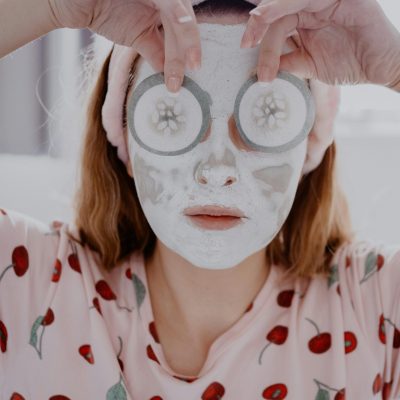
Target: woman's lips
(215, 217)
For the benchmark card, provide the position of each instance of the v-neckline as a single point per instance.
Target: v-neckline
(221, 343)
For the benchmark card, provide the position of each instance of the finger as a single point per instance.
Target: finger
(298, 62)
(180, 18)
(272, 10)
(175, 10)
(151, 47)
(267, 12)
(271, 47)
(255, 26)
(174, 64)
(189, 39)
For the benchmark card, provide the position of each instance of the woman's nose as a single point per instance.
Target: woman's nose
(217, 173)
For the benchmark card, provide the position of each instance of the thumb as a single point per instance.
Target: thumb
(298, 63)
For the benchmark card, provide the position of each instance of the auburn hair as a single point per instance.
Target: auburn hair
(111, 222)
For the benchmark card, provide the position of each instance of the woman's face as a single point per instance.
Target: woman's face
(219, 171)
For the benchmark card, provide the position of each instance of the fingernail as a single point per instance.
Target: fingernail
(254, 11)
(184, 19)
(173, 84)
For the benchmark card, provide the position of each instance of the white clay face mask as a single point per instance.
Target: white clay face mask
(179, 171)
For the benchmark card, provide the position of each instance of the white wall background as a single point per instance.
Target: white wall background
(39, 140)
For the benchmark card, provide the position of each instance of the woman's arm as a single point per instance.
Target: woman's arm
(22, 21)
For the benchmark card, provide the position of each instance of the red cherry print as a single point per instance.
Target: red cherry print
(249, 307)
(56, 271)
(396, 338)
(350, 342)
(277, 335)
(2, 212)
(73, 262)
(380, 260)
(156, 398)
(104, 290)
(17, 396)
(387, 388)
(150, 354)
(340, 395)
(48, 318)
(128, 273)
(285, 298)
(59, 397)
(153, 331)
(321, 342)
(20, 260)
(381, 329)
(96, 304)
(348, 261)
(276, 392)
(86, 352)
(3, 337)
(338, 290)
(377, 385)
(214, 391)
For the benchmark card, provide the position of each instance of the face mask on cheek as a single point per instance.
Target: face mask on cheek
(258, 186)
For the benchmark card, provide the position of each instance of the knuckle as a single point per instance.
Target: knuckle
(174, 67)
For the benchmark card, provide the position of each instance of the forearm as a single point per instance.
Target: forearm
(22, 21)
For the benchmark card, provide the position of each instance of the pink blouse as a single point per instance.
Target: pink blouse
(70, 331)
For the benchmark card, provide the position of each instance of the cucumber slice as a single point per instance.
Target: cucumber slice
(165, 123)
(275, 116)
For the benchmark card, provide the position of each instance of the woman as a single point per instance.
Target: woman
(122, 305)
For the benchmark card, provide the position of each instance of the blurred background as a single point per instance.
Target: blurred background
(41, 121)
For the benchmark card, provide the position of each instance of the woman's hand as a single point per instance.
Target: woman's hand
(135, 23)
(340, 41)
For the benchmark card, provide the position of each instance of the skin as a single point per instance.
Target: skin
(204, 302)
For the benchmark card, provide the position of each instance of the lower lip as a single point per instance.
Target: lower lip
(215, 222)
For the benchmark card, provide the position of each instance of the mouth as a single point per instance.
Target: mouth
(215, 217)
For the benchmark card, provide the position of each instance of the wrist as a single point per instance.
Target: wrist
(22, 21)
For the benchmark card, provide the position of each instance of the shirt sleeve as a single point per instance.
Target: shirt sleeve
(28, 253)
(374, 291)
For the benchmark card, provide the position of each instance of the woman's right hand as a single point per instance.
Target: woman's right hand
(135, 23)
(340, 41)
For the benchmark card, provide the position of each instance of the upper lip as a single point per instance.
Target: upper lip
(214, 211)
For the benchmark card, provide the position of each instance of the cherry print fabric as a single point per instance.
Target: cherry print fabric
(69, 331)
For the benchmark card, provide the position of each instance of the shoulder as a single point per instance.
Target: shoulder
(31, 256)
(367, 276)
(362, 259)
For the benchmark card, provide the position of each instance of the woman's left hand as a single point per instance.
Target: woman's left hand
(341, 42)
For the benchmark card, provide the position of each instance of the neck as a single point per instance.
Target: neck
(204, 302)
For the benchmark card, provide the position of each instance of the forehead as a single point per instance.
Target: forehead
(225, 66)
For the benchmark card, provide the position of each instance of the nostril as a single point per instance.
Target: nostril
(230, 181)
